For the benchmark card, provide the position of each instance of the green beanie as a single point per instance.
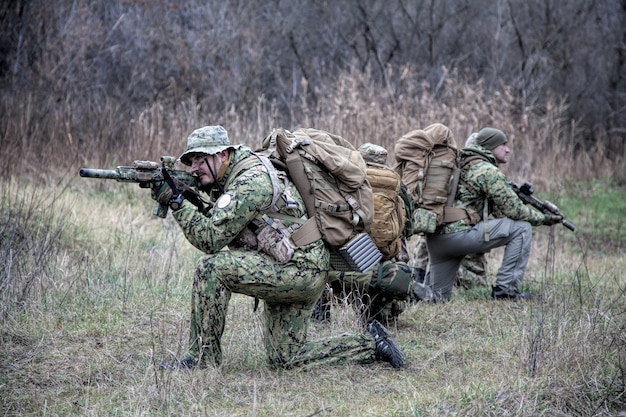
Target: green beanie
(489, 138)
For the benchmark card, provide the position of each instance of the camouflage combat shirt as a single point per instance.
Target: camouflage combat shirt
(243, 199)
(484, 181)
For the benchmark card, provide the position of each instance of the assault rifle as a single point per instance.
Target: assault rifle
(149, 173)
(525, 193)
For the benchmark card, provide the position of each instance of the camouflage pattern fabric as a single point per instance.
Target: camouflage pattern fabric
(420, 254)
(373, 153)
(485, 179)
(288, 291)
(473, 272)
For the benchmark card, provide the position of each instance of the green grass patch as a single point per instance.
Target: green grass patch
(598, 209)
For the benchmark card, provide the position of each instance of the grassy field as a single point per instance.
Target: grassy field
(96, 290)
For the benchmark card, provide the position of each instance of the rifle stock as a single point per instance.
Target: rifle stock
(144, 173)
(525, 193)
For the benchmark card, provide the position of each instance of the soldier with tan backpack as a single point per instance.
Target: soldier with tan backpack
(459, 223)
(382, 293)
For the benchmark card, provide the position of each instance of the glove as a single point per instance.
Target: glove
(162, 193)
(551, 219)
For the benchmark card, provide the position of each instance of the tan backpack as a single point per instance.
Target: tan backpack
(330, 175)
(427, 161)
(389, 212)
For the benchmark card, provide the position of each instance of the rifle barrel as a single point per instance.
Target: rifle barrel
(569, 225)
(99, 173)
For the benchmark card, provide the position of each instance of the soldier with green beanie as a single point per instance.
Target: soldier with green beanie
(234, 234)
(483, 188)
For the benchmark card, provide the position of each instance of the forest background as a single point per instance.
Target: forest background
(90, 79)
(94, 290)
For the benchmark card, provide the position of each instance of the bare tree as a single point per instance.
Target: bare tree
(230, 54)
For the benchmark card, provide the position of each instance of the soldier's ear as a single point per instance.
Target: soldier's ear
(223, 155)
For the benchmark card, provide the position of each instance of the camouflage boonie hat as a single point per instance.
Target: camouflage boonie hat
(206, 140)
(373, 153)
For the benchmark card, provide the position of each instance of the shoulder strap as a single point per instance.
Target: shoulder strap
(306, 232)
(454, 185)
(250, 162)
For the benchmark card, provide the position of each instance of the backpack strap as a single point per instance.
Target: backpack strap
(305, 231)
(298, 175)
(456, 174)
(453, 214)
(254, 160)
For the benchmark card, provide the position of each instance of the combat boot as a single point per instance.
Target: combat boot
(187, 362)
(421, 292)
(419, 275)
(386, 348)
(499, 293)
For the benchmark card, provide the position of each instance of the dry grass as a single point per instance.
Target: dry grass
(101, 293)
(113, 301)
(547, 148)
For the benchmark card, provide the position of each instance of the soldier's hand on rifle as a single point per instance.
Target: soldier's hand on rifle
(551, 219)
(162, 193)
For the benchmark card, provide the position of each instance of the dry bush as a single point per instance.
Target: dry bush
(30, 232)
(547, 147)
(77, 77)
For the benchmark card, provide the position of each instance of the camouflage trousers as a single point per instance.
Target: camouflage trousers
(471, 273)
(381, 294)
(289, 293)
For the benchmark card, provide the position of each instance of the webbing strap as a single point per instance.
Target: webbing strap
(359, 214)
(332, 207)
(306, 234)
(453, 214)
(485, 217)
(274, 178)
(299, 178)
(454, 185)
